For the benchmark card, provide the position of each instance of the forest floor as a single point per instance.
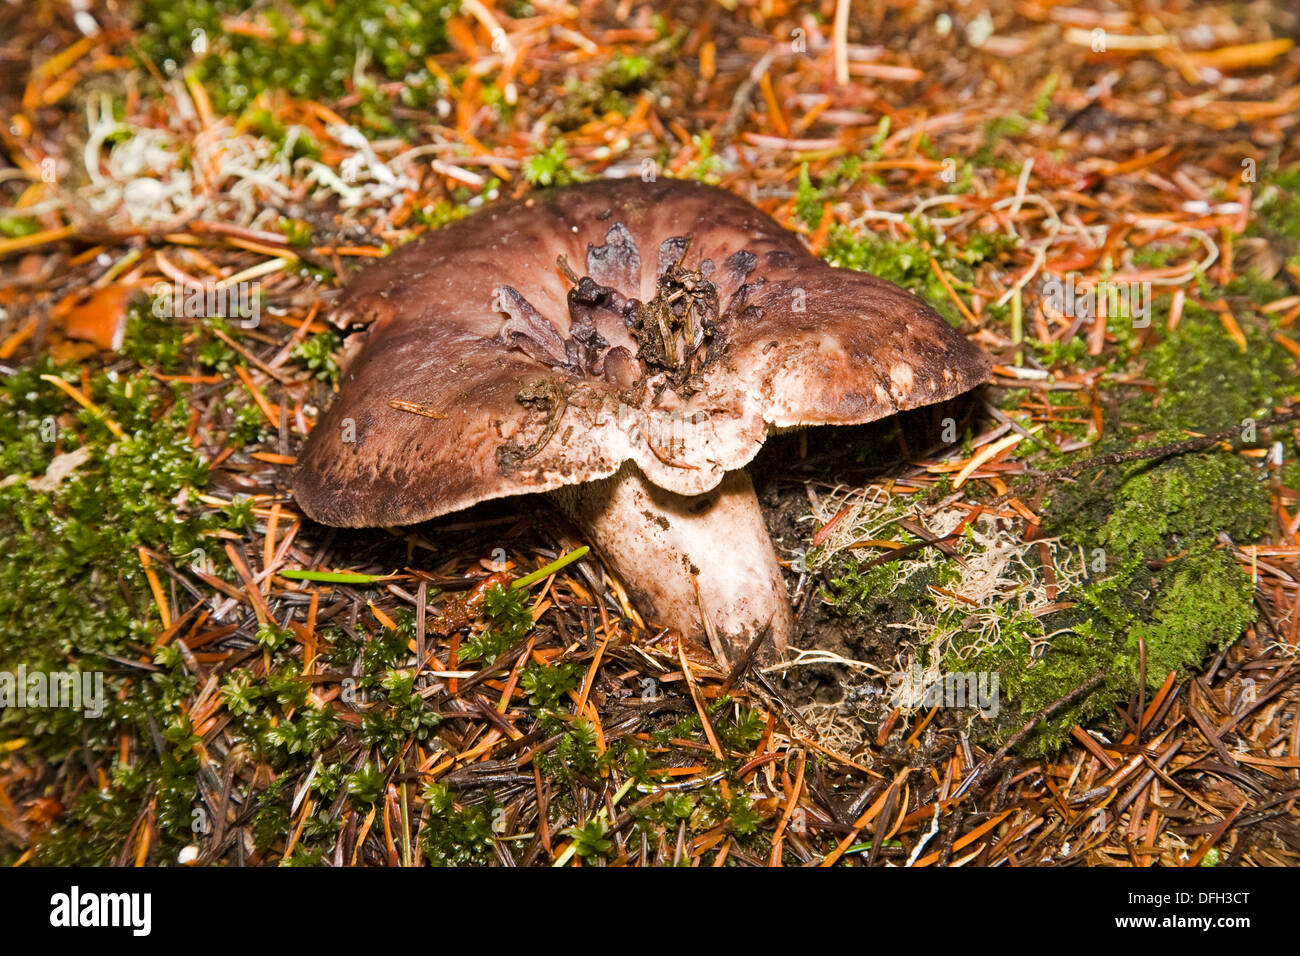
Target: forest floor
(1109, 531)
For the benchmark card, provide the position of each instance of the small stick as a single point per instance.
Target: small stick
(1083, 690)
(1147, 454)
(746, 659)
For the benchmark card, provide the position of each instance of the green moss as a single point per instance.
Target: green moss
(1206, 382)
(1069, 352)
(294, 143)
(907, 263)
(882, 592)
(437, 214)
(314, 49)
(707, 166)
(1277, 210)
(741, 730)
(318, 355)
(1043, 100)
(1165, 509)
(1158, 584)
(1176, 616)
(365, 785)
(73, 593)
(546, 686)
(808, 200)
(1202, 601)
(589, 840)
(1150, 531)
(508, 617)
(615, 87)
(153, 343)
(550, 167)
(456, 835)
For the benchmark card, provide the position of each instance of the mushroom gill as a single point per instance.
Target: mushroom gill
(627, 347)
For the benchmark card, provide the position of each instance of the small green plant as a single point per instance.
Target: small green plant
(272, 636)
(742, 731)
(589, 840)
(507, 619)
(707, 166)
(546, 685)
(455, 835)
(577, 749)
(808, 200)
(745, 818)
(549, 167)
(367, 784)
(317, 355)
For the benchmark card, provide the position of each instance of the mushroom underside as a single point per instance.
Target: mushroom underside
(702, 564)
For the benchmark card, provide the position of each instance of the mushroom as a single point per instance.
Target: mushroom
(626, 347)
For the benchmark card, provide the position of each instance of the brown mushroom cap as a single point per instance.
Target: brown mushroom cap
(543, 384)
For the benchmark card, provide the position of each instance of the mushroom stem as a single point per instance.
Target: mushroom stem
(663, 544)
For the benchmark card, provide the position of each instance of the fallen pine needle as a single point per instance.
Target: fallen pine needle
(335, 577)
(75, 394)
(547, 570)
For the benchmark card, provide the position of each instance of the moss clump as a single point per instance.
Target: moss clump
(907, 263)
(1277, 211)
(456, 835)
(1150, 533)
(1176, 615)
(1164, 510)
(614, 88)
(73, 594)
(1203, 601)
(883, 592)
(67, 548)
(1205, 381)
(1158, 584)
(309, 48)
